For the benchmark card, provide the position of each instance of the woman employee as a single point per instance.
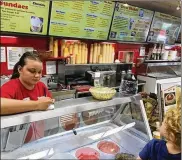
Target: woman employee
(25, 85)
(24, 92)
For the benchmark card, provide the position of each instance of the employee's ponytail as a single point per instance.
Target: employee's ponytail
(27, 55)
(15, 71)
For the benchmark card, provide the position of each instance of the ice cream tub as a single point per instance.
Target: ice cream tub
(101, 148)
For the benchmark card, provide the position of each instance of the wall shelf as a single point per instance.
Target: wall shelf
(136, 43)
(56, 59)
(160, 61)
(98, 64)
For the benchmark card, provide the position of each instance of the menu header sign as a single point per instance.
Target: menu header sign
(130, 23)
(164, 29)
(81, 19)
(24, 16)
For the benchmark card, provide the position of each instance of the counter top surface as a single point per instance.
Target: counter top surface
(160, 76)
(65, 107)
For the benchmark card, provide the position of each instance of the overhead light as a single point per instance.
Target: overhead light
(125, 5)
(178, 7)
(8, 37)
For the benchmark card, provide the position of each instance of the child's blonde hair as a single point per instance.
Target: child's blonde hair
(178, 96)
(172, 121)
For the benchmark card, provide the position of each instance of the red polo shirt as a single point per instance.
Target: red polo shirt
(14, 89)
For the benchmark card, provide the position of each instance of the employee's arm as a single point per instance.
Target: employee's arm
(12, 106)
(138, 158)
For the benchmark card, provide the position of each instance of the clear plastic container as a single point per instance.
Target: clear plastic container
(123, 73)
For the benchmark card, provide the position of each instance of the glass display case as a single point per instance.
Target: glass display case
(160, 70)
(176, 69)
(77, 129)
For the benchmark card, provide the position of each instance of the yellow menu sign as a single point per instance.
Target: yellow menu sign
(81, 19)
(24, 16)
(130, 23)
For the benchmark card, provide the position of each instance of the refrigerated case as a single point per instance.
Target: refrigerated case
(78, 128)
(153, 72)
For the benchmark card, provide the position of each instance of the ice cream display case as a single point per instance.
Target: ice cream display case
(158, 72)
(82, 128)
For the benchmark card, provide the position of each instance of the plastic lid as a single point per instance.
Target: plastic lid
(123, 72)
(129, 71)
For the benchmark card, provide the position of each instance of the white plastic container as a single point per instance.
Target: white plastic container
(165, 55)
(104, 155)
(172, 55)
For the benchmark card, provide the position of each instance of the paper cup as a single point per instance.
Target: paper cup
(172, 55)
(165, 55)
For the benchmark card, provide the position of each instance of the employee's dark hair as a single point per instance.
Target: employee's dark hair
(27, 55)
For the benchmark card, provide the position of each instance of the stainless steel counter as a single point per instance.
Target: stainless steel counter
(64, 107)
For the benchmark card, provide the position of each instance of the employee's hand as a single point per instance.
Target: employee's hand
(43, 103)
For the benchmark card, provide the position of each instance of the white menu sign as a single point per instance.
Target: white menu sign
(3, 54)
(14, 54)
(51, 67)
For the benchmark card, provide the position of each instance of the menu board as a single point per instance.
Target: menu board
(81, 19)
(164, 29)
(24, 16)
(130, 23)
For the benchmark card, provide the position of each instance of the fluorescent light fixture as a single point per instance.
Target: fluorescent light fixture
(125, 5)
(8, 37)
(178, 7)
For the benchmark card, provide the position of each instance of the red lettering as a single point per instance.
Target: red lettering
(9, 4)
(1, 2)
(14, 5)
(19, 6)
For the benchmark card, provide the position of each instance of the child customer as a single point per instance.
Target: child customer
(171, 131)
